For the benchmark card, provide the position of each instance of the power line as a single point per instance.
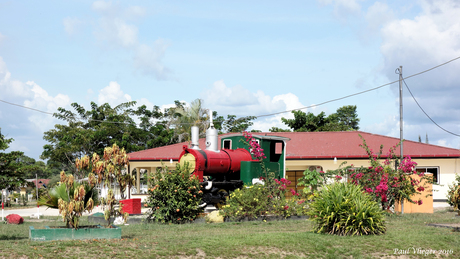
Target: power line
(271, 114)
(27, 107)
(351, 95)
(426, 113)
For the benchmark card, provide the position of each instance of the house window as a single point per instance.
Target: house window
(430, 170)
(227, 143)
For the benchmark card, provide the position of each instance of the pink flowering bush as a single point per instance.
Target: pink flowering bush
(387, 182)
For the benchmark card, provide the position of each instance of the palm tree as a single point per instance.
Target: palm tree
(186, 117)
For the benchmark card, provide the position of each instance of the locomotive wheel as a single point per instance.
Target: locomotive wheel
(223, 193)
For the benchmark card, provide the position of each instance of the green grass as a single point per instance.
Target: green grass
(286, 239)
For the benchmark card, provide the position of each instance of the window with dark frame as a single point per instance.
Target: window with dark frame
(430, 170)
(227, 143)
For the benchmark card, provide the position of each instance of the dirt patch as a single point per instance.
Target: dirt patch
(453, 226)
(39, 220)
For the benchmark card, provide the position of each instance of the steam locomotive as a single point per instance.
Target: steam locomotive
(233, 166)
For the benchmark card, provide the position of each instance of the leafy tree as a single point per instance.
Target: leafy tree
(233, 124)
(276, 129)
(40, 168)
(90, 131)
(12, 169)
(344, 119)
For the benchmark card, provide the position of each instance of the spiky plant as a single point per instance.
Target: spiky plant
(72, 199)
(344, 209)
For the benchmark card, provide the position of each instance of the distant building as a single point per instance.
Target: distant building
(321, 151)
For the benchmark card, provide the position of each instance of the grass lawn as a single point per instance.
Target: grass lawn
(285, 239)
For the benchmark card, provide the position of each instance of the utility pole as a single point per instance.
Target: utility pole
(401, 111)
(36, 186)
(399, 70)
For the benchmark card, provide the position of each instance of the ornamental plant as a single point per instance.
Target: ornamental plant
(249, 202)
(111, 168)
(344, 209)
(261, 200)
(453, 195)
(71, 198)
(389, 181)
(174, 197)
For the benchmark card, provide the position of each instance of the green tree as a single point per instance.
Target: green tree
(344, 119)
(233, 124)
(184, 117)
(276, 129)
(12, 169)
(90, 131)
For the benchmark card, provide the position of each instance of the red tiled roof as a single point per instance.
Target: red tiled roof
(320, 145)
(40, 182)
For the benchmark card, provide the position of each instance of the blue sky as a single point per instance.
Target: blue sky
(240, 57)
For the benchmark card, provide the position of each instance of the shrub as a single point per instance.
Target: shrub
(250, 201)
(453, 195)
(344, 209)
(389, 181)
(71, 198)
(24, 199)
(174, 197)
(14, 219)
(259, 200)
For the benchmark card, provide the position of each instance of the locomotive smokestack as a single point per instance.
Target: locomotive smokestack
(211, 136)
(195, 137)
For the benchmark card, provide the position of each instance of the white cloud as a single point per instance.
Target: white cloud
(71, 25)
(113, 95)
(116, 31)
(148, 59)
(239, 101)
(429, 39)
(26, 126)
(343, 8)
(115, 28)
(377, 15)
(101, 5)
(10, 88)
(41, 100)
(135, 12)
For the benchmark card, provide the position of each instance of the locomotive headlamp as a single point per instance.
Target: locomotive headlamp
(188, 159)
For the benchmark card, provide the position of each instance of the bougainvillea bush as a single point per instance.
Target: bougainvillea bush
(389, 181)
(344, 209)
(174, 197)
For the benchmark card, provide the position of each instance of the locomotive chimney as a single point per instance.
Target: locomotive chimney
(195, 137)
(211, 136)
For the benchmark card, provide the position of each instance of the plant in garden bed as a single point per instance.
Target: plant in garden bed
(313, 180)
(388, 182)
(108, 170)
(72, 199)
(453, 195)
(344, 209)
(249, 202)
(261, 200)
(174, 197)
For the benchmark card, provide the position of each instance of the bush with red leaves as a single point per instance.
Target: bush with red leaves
(14, 219)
